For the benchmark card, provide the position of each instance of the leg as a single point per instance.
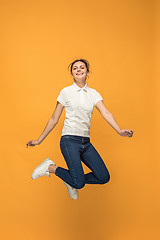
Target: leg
(75, 175)
(93, 160)
(52, 168)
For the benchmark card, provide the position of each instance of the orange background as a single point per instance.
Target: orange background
(120, 39)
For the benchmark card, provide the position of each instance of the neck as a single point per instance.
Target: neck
(81, 84)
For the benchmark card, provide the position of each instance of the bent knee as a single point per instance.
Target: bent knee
(79, 184)
(105, 178)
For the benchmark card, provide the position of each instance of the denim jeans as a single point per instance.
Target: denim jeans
(76, 149)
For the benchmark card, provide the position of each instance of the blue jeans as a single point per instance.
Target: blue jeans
(76, 149)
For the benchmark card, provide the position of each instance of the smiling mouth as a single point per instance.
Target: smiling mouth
(79, 74)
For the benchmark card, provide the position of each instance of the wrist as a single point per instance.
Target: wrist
(119, 132)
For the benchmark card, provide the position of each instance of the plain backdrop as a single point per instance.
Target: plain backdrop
(120, 39)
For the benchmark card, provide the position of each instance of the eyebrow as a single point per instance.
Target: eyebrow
(80, 66)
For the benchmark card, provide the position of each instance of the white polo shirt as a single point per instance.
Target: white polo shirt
(78, 103)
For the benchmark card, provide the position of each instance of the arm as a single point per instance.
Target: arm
(111, 120)
(52, 122)
(107, 116)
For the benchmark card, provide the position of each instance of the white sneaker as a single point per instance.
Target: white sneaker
(42, 169)
(73, 193)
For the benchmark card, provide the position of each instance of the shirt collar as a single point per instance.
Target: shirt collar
(78, 88)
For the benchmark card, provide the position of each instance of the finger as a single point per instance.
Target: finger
(30, 144)
(129, 132)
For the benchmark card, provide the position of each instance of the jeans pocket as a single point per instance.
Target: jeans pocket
(63, 138)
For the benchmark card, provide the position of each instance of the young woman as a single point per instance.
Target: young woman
(79, 101)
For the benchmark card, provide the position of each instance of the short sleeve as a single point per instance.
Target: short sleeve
(97, 98)
(61, 98)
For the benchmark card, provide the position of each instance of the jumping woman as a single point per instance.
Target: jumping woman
(79, 101)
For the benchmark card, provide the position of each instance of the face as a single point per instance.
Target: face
(79, 72)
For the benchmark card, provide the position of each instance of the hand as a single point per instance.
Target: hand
(32, 143)
(126, 133)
